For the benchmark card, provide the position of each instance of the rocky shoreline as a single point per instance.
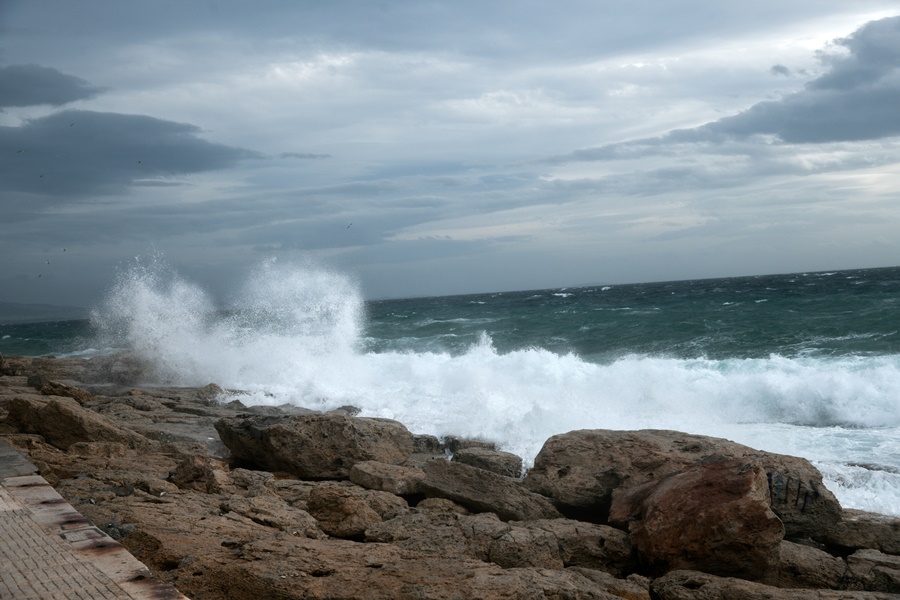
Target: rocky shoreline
(228, 501)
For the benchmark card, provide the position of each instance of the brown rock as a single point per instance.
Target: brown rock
(272, 511)
(581, 470)
(875, 571)
(495, 461)
(202, 473)
(483, 491)
(54, 388)
(858, 530)
(712, 517)
(478, 536)
(591, 546)
(347, 513)
(802, 566)
(63, 422)
(395, 479)
(693, 585)
(315, 446)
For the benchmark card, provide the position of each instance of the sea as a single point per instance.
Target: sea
(806, 364)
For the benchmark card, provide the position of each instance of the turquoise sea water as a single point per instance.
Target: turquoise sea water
(805, 364)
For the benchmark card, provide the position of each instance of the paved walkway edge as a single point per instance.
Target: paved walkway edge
(45, 539)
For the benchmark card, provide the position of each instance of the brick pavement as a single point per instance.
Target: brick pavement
(48, 551)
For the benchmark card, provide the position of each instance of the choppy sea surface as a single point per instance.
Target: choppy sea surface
(806, 364)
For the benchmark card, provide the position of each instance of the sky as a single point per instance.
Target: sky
(430, 148)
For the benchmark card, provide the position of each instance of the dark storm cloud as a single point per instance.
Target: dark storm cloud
(855, 100)
(76, 153)
(32, 85)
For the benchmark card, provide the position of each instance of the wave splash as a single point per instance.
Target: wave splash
(295, 334)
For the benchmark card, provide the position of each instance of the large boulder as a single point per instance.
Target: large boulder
(582, 470)
(484, 491)
(712, 517)
(314, 446)
(64, 422)
(693, 585)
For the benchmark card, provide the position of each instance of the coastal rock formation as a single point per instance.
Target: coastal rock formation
(496, 461)
(693, 585)
(62, 422)
(296, 504)
(582, 470)
(315, 446)
(712, 517)
(484, 491)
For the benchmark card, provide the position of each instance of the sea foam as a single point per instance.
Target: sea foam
(295, 334)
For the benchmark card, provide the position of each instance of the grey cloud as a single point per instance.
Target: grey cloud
(874, 53)
(855, 100)
(303, 155)
(77, 153)
(780, 70)
(31, 85)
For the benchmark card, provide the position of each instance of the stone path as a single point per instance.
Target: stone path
(48, 551)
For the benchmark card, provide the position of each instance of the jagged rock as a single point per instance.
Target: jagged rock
(859, 529)
(588, 545)
(581, 471)
(347, 513)
(496, 461)
(875, 571)
(63, 422)
(713, 517)
(483, 491)
(395, 479)
(802, 566)
(315, 446)
(693, 585)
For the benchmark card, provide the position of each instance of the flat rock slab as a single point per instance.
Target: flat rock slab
(484, 491)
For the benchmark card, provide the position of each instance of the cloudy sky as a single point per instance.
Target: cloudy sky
(429, 148)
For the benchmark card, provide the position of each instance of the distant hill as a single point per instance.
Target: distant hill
(12, 312)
